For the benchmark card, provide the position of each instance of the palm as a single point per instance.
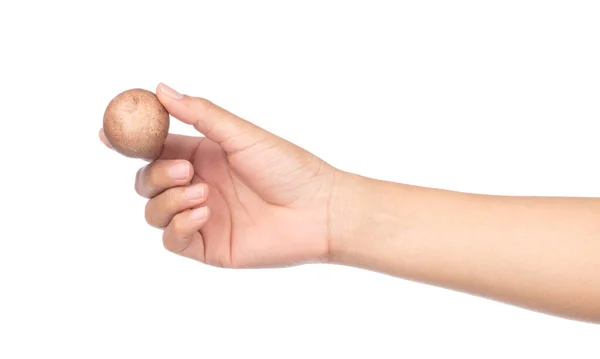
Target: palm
(268, 205)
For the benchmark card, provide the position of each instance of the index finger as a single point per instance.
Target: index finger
(175, 147)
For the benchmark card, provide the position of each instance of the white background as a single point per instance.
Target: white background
(496, 97)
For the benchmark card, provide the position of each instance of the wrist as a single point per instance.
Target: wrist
(350, 211)
(372, 222)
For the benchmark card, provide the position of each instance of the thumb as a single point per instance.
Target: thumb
(231, 132)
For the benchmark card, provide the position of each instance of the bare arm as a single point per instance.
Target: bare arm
(247, 198)
(541, 253)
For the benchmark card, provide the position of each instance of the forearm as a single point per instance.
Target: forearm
(541, 253)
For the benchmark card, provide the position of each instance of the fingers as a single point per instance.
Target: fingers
(183, 230)
(176, 146)
(103, 138)
(231, 132)
(174, 205)
(159, 175)
(161, 209)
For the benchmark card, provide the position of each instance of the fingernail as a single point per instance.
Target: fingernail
(199, 213)
(180, 171)
(170, 92)
(194, 191)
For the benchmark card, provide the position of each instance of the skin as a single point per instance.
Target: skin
(264, 202)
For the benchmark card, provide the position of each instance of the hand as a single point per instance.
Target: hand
(238, 197)
(262, 201)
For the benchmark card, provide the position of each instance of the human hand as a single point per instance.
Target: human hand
(238, 196)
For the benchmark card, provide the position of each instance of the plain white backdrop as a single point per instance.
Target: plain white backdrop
(489, 97)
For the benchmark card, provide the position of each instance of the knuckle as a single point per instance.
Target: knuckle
(147, 180)
(220, 261)
(174, 236)
(172, 197)
(149, 214)
(167, 240)
(202, 104)
(215, 262)
(179, 225)
(138, 181)
(153, 176)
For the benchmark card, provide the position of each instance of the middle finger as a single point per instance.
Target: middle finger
(159, 175)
